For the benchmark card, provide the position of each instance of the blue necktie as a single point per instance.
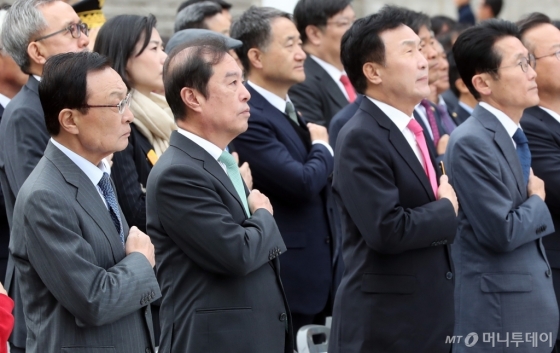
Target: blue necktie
(109, 195)
(523, 153)
(235, 177)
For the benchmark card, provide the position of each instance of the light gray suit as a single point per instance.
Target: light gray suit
(80, 292)
(503, 280)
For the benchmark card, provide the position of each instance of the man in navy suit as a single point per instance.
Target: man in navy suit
(291, 161)
(541, 124)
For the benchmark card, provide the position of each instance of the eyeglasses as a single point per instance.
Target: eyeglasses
(342, 22)
(524, 64)
(557, 53)
(121, 105)
(75, 29)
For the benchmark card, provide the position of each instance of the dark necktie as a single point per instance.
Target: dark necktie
(431, 119)
(109, 195)
(523, 153)
(291, 112)
(446, 121)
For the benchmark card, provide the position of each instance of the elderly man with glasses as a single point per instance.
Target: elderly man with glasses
(33, 31)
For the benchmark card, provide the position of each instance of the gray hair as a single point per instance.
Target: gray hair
(193, 16)
(23, 21)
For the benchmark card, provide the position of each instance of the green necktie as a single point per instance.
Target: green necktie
(235, 177)
(291, 111)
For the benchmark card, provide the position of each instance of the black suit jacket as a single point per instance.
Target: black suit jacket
(341, 118)
(218, 270)
(295, 176)
(397, 290)
(318, 98)
(23, 138)
(130, 173)
(543, 133)
(4, 229)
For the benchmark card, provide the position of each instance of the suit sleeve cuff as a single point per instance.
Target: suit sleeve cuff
(324, 144)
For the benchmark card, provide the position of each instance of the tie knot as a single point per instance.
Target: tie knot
(414, 127)
(519, 137)
(426, 104)
(227, 159)
(345, 80)
(290, 108)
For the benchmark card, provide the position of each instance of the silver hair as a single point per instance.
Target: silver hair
(193, 15)
(23, 21)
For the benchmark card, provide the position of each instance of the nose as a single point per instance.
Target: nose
(422, 61)
(244, 95)
(163, 57)
(83, 41)
(127, 114)
(531, 72)
(300, 54)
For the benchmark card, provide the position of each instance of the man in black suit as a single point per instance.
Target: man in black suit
(541, 124)
(23, 135)
(290, 161)
(216, 249)
(326, 89)
(397, 291)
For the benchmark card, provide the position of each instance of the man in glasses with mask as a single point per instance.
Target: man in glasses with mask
(34, 30)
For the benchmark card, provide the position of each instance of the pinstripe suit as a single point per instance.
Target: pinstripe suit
(80, 292)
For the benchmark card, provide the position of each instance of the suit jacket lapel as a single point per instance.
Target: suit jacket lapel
(547, 119)
(89, 199)
(328, 83)
(209, 163)
(400, 143)
(504, 142)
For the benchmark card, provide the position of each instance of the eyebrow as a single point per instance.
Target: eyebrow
(409, 43)
(232, 74)
(291, 38)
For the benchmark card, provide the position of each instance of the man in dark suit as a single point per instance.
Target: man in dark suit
(503, 278)
(397, 291)
(216, 249)
(326, 89)
(541, 124)
(341, 118)
(291, 161)
(11, 81)
(461, 108)
(86, 280)
(23, 136)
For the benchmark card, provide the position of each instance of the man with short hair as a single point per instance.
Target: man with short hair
(396, 294)
(226, 6)
(541, 124)
(503, 278)
(33, 31)
(86, 279)
(290, 161)
(205, 15)
(326, 89)
(465, 102)
(217, 249)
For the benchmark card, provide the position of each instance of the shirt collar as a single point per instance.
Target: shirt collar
(272, 98)
(398, 117)
(507, 123)
(552, 113)
(38, 78)
(329, 68)
(466, 107)
(441, 101)
(4, 100)
(93, 172)
(206, 145)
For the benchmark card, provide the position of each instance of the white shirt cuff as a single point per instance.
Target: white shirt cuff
(324, 144)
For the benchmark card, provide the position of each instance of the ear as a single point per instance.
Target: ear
(255, 58)
(482, 83)
(69, 121)
(372, 73)
(314, 35)
(35, 52)
(461, 86)
(192, 98)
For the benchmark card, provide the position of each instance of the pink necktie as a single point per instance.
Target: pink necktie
(421, 141)
(431, 119)
(349, 88)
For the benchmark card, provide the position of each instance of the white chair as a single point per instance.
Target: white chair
(304, 339)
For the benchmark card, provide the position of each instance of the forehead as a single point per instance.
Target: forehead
(224, 68)
(545, 35)
(58, 13)
(347, 12)
(104, 83)
(394, 38)
(510, 48)
(424, 33)
(281, 27)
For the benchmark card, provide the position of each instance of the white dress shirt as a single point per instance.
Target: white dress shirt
(466, 107)
(93, 172)
(206, 145)
(552, 113)
(333, 72)
(401, 120)
(4, 100)
(280, 104)
(510, 126)
(424, 116)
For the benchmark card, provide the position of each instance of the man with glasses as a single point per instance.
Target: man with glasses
(34, 30)
(86, 279)
(326, 89)
(503, 281)
(541, 124)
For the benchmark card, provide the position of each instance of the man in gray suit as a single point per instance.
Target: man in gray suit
(33, 31)
(217, 249)
(86, 279)
(503, 290)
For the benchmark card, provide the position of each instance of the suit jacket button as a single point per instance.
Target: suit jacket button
(548, 273)
(449, 275)
(283, 317)
(148, 350)
(328, 240)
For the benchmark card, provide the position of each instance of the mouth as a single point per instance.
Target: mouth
(423, 78)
